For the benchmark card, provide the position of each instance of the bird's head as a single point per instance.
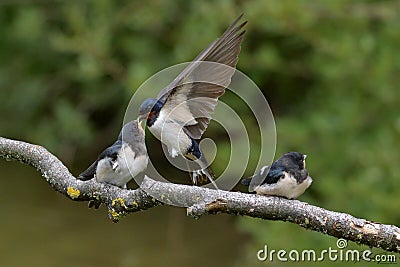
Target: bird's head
(148, 106)
(296, 158)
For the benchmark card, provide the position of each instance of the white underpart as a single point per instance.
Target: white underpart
(105, 172)
(123, 169)
(286, 187)
(171, 134)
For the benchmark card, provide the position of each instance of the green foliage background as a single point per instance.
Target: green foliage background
(329, 69)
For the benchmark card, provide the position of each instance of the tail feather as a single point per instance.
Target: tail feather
(88, 173)
(246, 181)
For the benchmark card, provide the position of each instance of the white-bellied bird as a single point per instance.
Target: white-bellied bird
(123, 160)
(287, 177)
(182, 111)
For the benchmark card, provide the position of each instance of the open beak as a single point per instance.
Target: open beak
(141, 117)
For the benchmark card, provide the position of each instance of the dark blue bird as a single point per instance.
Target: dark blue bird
(287, 177)
(181, 112)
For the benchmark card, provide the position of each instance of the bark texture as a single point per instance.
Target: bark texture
(200, 201)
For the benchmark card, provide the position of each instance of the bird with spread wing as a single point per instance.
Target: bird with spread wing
(180, 114)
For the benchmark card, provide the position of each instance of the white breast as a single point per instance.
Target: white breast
(171, 134)
(105, 173)
(286, 187)
(130, 164)
(127, 167)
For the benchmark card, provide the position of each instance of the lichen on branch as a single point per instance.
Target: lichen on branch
(200, 201)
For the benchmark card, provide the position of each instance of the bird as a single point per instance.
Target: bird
(287, 177)
(123, 160)
(180, 114)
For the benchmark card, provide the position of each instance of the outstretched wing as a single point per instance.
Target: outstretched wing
(191, 98)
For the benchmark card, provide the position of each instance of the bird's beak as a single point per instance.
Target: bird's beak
(141, 117)
(305, 156)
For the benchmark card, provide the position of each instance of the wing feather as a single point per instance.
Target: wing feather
(193, 95)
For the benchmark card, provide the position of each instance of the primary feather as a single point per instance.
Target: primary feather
(192, 97)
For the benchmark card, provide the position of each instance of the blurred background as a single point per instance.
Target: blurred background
(329, 69)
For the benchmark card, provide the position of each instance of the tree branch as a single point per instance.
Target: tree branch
(200, 201)
(119, 201)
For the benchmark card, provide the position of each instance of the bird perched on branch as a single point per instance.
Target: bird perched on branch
(287, 177)
(123, 160)
(181, 112)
